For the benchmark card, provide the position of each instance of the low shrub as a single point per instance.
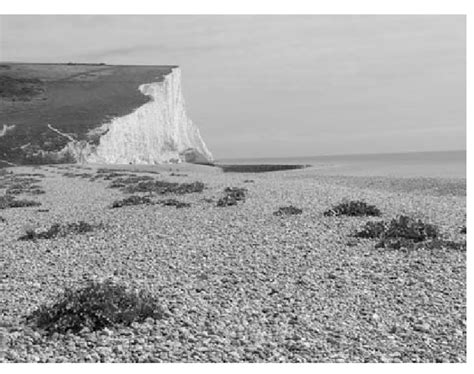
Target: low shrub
(17, 189)
(463, 230)
(401, 232)
(129, 181)
(231, 196)
(21, 183)
(132, 200)
(8, 201)
(176, 203)
(226, 201)
(95, 306)
(372, 230)
(60, 231)
(78, 175)
(178, 175)
(287, 211)
(353, 208)
(163, 187)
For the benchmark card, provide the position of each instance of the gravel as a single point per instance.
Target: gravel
(238, 284)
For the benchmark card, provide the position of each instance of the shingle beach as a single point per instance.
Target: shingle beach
(238, 283)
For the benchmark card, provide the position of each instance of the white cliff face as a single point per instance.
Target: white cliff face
(157, 132)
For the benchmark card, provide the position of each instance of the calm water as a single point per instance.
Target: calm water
(450, 164)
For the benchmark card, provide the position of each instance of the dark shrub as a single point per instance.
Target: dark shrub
(20, 183)
(2, 220)
(463, 230)
(402, 232)
(442, 244)
(287, 211)
(163, 187)
(96, 306)
(78, 175)
(236, 192)
(372, 230)
(8, 201)
(178, 175)
(353, 208)
(132, 200)
(232, 196)
(175, 203)
(129, 181)
(58, 230)
(227, 200)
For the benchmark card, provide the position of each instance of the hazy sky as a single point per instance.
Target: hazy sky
(260, 86)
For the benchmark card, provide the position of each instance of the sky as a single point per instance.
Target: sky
(283, 86)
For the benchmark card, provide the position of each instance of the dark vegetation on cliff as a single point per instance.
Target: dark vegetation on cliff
(73, 98)
(20, 89)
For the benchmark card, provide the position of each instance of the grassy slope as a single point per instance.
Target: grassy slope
(76, 98)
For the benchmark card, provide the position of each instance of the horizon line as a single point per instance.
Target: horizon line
(339, 154)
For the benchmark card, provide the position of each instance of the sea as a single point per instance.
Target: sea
(442, 164)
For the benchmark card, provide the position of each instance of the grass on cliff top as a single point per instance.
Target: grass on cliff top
(94, 307)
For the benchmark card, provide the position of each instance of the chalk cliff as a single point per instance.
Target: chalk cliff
(157, 132)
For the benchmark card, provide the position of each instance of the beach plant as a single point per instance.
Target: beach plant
(15, 184)
(132, 200)
(287, 211)
(78, 175)
(129, 181)
(173, 202)
(164, 187)
(60, 231)
(226, 201)
(231, 196)
(95, 306)
(353, 208)
(400, 232)
(463, 230)
(145, 183)
(8, 201)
